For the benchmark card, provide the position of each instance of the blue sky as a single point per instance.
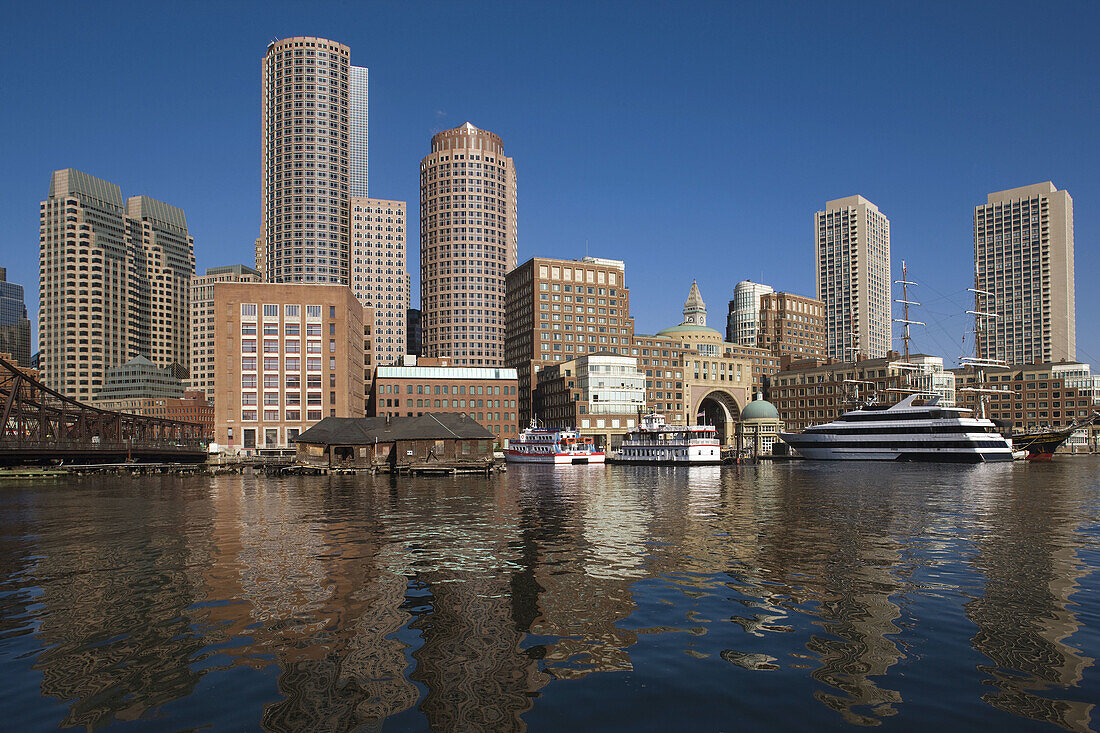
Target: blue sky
(690, 140)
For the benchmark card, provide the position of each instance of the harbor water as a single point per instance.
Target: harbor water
(792, 596)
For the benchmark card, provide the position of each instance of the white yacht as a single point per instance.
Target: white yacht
(903, 432)
(560, 447)
(656, 442)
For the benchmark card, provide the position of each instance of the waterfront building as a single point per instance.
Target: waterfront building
(15, 327)
(743, 320)
(202, 321)
(557, 310)
(759, 428)
(287, 355)
(792, 325)
(422, 385)
(314, 114)
(128, 296)
(1023, 257)
(412, 332)
(600, 394)
(812, 392)
(468, 243)
(378, 275)
(694, 376)
(852, 272)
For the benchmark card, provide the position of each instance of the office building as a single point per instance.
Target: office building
(743, 320)
(309, 93)
(378, 275)
(557, 310)
(599, 394)
(852, 249)
(202, 321)
(412, 332)
(419, 386)
(15, 327)
(129, 294)
(1023, 258)
(791, 325)
(467, 245)
(286, 356)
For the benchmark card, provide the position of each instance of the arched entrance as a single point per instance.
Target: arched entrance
(721, 410)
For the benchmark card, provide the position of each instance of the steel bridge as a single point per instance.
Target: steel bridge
(41, 426)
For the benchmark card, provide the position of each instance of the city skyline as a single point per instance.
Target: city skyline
(733, 210)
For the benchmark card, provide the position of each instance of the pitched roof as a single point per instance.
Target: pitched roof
(366, 430)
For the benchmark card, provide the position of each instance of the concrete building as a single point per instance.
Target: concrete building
(852, 253)
(308, 132)
(791, 325)
(599, 394)
(1023, 257)
(285, 356)
(15, 327)
(557, 310)
(422, 386)
(468, 243)
(202, 321)
(743, 319)
(114, 282)
(378, 275)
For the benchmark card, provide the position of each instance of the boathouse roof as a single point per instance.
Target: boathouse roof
(368, 430)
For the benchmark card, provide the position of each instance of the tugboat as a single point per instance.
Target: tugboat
(658, 443)
(560, 447)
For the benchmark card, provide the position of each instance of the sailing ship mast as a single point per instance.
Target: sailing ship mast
(905, 282)
(978, 362)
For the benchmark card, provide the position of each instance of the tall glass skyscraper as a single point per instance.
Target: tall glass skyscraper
(359, 118)
(15, 329)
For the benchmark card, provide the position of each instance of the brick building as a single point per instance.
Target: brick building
(600, 394)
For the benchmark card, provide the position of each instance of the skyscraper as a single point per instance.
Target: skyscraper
(310, 91)
(744, 312)
(130, 293)
(378, 275)
(468, 244)
(1023, 257)
(15, 328)
(852, 248)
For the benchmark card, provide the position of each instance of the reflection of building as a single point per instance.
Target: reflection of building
(600, 394)
(378, 274)
(136, 263)
(558, 310)
(852, 246)
(287, 356)
(1023, 257)
(15, 328)
(468, 243)
(202, 320)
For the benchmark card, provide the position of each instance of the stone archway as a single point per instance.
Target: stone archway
(720, 409)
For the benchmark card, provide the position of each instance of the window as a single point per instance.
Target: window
(271, 311)
(313, 311)
(248, 309)
(291, 311)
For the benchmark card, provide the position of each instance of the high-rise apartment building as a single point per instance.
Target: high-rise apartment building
(1023, 259)
(308, 130)
(114, 283)
(378, 274)
(468, 245)
(792, 325)
(744, 312)
(15, 327)
(202, 321)
(852, 248)
(558, 310)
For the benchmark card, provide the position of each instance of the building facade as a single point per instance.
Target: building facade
(1023, 259)
(307, 138)
(852, 272)
(558, 310)
(1032, 396)
(138, 387)
(468, 243)
(743, 319)
(412, 332)
(422, 386)
(114, 282)
(792, 325)
(286, 355)
(378, 274)
(201, 377)
(601, 395)
(15, 327)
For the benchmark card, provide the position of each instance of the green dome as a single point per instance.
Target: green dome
(760, 410)
(688, 328)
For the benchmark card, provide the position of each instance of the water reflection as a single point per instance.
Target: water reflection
(846, 594)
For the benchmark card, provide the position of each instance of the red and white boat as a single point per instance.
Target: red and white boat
(545, 445)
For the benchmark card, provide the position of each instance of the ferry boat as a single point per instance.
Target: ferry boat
(560, 447)
(903, 432)
(658, 443)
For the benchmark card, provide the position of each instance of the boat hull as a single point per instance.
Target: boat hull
(557, 459)
(819, 449)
